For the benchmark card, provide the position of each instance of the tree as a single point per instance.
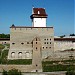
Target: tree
(72, 34)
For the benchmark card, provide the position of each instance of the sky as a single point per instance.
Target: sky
(60, 14)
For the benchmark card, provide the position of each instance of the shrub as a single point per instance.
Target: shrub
(12, 72)
(70, 73)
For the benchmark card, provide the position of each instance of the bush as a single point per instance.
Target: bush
(4, 56)
(70, 73)
(12, 72)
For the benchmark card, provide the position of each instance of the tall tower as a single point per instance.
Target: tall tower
(38, 17)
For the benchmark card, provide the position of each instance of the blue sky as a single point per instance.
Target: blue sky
(60, 14)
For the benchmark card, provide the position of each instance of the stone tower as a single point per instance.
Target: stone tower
(38, 17)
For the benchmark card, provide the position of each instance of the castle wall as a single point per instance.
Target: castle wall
(21, 41)
(63, 45)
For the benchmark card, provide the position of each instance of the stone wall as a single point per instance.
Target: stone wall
(21, 41)
(63, 45)
(44, 73)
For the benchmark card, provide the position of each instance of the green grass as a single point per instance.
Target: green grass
(20, 61)
(49, 67)
(1, 46)
(52, 68)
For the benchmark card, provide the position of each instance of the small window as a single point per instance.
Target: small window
(22, 43)
(27, 42)
(44, 42)
(49, 47)
(38, 12)
(47, 42)
(13, 54)
(13, 43)
(50, 42)
(36, 70)
(36, 47)
(44, 39)
(36, 42)
(47, 39)
(50, 39)
(5, 42)
(43, 47)
(36, 65)
(27, 54)
(20, 54)
(46, 47)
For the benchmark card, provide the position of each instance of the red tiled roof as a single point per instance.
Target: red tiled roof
(4, 38)
(39, 12)
(64, 39)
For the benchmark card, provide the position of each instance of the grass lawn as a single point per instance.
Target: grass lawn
(20, 61)
(49, 67)
(1, 46)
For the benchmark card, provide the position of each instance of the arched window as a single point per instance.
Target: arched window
(27, 54)
(20, 54)
(13, 54)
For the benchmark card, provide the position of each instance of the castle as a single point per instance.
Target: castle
(27, 42)
(37, 43)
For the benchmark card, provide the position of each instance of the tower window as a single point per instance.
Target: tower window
(47, 42)
(27, 42)
(50, 42)
(44, 42)
(49, 47)
(38, 12)
(36, 70)
(13, 43)
(22, 43)
(46, 47)
(43, 47)
(36, 47)
(44, 39)
(36, 42)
